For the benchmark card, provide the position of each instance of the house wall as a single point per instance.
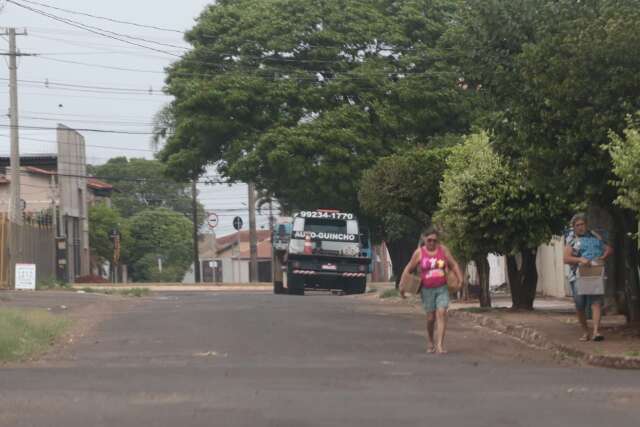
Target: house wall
(34, 189)
(72, 171)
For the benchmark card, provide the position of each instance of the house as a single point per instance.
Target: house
(55, 191)
(226, 259)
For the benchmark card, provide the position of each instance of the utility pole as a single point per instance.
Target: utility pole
(194, 215)
(15, 207)
(253, 237)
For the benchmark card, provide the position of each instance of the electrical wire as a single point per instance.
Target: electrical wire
(114, 131)
(100, 31)
(117, 21)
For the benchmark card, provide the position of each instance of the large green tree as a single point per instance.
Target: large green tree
(487, 207)
(142, 184)
(400, 195)
(157, 233)
(558, 75)
(301, 97)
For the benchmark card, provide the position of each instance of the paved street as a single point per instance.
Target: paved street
(255, 359)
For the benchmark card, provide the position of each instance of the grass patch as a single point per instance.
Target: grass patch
(127, 292)
(50, 284)
(634, 353)
(27, 333)
(390, 293)
(477, 309)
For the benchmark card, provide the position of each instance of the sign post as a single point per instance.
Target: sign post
(212, 220)
(26, 277)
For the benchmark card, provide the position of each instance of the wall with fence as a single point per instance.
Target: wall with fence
(31, 243)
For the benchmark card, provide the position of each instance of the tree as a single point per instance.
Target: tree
(301, 97)
(102, 220)
(559, 75)
(625, 155)
(487, 207)
(400, 194)
(157, 233)
(142, 184)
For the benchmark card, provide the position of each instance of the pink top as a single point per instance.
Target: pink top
(433, 268)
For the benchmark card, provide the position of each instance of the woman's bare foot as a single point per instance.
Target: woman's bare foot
(431, 348)
(441, 350)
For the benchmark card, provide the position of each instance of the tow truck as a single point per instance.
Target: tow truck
(324, 252)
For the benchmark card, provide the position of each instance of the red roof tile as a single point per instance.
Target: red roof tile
(96, 184)
(244, 237)
(40, 171)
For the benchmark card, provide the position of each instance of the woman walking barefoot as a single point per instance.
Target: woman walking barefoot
(434, 260)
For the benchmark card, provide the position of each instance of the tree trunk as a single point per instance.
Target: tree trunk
(628, 259)
(482, 265)
(523, 278)
(400, 252)
(465, 280)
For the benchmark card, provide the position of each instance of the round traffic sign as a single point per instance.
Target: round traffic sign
(237, 223)
(212, 220)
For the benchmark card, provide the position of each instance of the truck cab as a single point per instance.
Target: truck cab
(325, 252)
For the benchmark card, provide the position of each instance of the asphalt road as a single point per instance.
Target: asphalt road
(207, 359)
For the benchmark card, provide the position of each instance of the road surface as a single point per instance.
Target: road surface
(256, 359)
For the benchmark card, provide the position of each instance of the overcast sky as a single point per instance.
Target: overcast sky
(60, 85)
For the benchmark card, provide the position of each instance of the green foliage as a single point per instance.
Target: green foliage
(487, 207)
(625, 154)
(559, 75)
(300, 97)
(401, 192)
(390, 293)
(51, 283)
(142, 184)
(103, 219)
(27, 333)
(157, 233)
(127, 292)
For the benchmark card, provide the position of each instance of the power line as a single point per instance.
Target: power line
(114, 131)
(100, 31)
(50, 83)
(117, 21)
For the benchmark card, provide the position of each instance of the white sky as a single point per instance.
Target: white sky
(131, 108)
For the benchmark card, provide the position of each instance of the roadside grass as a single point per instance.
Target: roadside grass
(51, 284)
(634, 353)
(127, 292)
(477, 309)
(28, 333)
(390, 293)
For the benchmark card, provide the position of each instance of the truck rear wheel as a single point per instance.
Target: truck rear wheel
(295, 284)
(356, 286)
(278, 287)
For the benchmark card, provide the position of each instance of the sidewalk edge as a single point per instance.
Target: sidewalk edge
(536, 338)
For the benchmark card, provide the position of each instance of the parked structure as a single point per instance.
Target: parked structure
(55, 195)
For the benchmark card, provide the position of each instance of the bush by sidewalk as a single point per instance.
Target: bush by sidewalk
(27, 333)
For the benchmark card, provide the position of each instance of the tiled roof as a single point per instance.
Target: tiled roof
(96, 184)
(229, 239)
(40, 171)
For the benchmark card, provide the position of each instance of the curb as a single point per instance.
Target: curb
(537, 339)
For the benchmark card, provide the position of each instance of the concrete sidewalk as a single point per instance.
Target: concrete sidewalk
(553, 325)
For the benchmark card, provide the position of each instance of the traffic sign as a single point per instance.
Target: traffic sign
(212, 220)
(237, 223)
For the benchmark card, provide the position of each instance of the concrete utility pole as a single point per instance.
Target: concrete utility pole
(253, 237)
(194, 215)
(15, 207)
